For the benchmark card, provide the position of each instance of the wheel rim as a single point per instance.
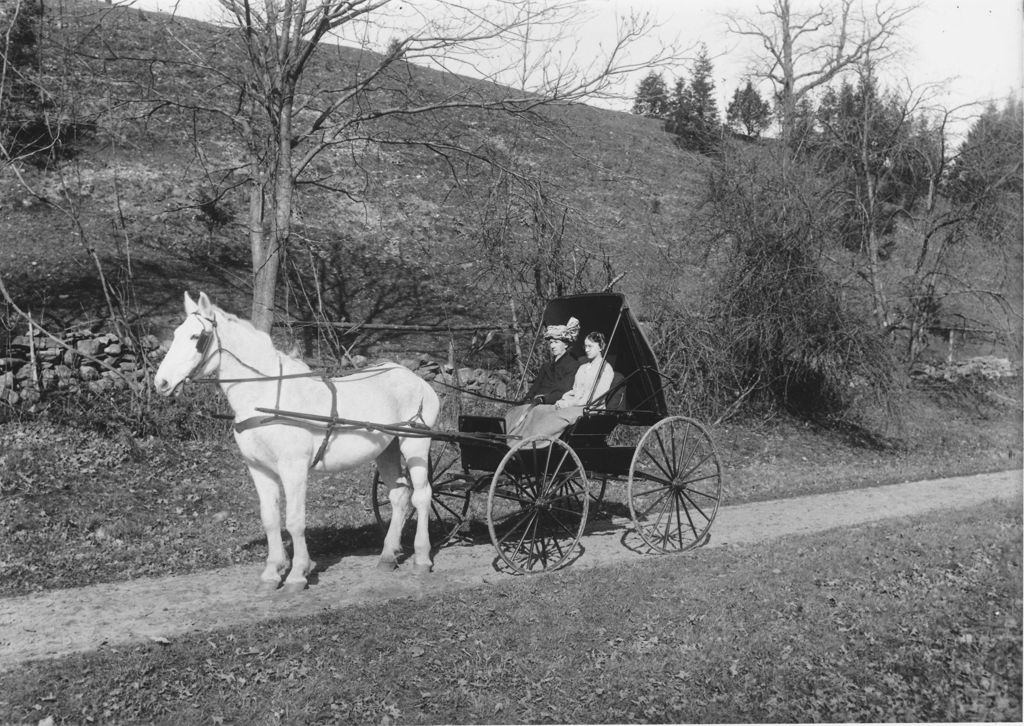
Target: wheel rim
(675, 485)
(449, 501)
(537, 506)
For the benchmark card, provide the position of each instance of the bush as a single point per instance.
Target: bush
(786, 335)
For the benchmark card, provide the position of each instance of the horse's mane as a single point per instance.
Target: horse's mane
(263, 340)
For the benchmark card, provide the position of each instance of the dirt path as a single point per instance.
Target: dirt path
(53, 624)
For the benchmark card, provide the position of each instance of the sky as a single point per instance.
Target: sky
(970, 48)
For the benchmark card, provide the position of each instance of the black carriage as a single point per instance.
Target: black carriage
(541, 491)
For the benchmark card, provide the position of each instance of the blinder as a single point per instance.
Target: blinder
(203, 342)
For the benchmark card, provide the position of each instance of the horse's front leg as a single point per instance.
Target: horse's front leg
(268, 489)
(294, 477)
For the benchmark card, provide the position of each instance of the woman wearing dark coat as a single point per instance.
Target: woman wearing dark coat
(556, 377)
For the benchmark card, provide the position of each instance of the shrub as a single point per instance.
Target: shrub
(786, 334)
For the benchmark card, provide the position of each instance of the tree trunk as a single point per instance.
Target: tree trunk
(269, 236)
(266, 258)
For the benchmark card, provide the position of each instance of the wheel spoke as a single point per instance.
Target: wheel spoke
(663, 494)
(669, 476)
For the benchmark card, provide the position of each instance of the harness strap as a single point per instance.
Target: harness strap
(330, 426)
(256, 421)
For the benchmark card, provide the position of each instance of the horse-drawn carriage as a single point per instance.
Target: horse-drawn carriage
(539, 490)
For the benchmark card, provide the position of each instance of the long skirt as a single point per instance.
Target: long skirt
(539, 420)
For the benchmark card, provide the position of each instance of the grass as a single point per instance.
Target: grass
(911, 620)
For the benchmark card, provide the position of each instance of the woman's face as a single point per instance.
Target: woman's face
(592, 348)
(557, 347)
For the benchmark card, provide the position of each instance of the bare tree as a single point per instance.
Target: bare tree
(804, 51)
(287, 123)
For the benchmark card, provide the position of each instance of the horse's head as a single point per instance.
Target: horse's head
(192, 349)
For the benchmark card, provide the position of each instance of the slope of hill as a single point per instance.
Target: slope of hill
(153, 198)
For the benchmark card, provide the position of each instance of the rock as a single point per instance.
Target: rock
(89, 347)
(113, 349)
(88, 373)
(101, 385)
(63, 372)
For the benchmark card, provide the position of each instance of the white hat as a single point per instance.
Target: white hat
(566, 333)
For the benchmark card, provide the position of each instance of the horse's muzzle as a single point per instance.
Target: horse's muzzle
(165, 388)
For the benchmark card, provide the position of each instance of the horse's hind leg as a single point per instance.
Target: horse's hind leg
(267, 489)
(417, 452)
(389, 465)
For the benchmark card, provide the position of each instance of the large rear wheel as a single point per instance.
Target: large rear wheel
(675, 485)
(537, 506)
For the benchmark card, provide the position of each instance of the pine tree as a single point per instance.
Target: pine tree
(693, 112)
(989, 160)
(748, 112)
(651, 97)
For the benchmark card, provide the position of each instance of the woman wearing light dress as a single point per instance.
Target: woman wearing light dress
(593, 380)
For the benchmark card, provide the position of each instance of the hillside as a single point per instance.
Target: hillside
(160, 213)
(397, 229)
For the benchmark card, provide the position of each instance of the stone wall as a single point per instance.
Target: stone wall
(33, 366)
(60, 368)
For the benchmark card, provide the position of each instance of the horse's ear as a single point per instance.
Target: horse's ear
(205, 306)
(190, 304)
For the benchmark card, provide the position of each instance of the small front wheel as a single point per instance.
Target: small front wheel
(675, 485)
(537, 506)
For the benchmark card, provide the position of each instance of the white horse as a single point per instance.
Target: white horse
(283, 452)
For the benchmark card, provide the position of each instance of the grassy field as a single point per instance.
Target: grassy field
(911, 620)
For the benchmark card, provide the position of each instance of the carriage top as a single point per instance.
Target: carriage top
(628, 350)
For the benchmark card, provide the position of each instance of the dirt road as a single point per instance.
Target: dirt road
(53, 624)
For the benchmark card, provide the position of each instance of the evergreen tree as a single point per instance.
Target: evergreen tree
(989, 160)
(693, 113)
(651, 97)
(748, 112)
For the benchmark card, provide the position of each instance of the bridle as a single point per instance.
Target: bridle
(203, 343)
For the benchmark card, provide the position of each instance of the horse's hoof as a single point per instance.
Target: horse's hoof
(290, 588)
(387, 565)
(266, 587)
(422, 569)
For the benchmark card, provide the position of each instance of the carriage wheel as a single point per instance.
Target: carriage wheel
(450, 490)
(675, 485)
(537, 505)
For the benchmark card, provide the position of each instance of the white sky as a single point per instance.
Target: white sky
(971, 47)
